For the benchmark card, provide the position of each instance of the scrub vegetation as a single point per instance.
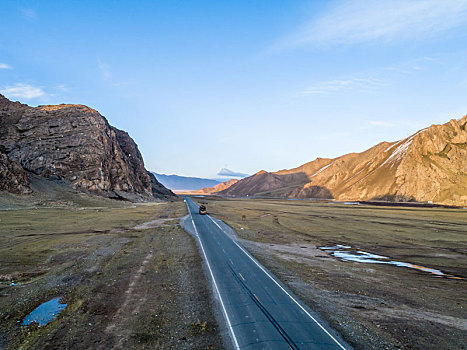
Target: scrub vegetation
(132, 278)
(374, 306)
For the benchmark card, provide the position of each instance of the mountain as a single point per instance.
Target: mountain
(210, 190)
(73, 144)
(184, 183)
(430, 165)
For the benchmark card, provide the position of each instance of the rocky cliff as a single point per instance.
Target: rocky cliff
(13, 178)
(430, 165)
(75, 144)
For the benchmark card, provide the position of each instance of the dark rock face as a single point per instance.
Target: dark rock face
(74, 143)
(13, 178)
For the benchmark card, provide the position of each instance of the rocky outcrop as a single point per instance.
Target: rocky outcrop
(77, 145)
(430, 165)
(13, 178)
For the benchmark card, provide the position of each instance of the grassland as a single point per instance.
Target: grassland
(131, 277)
(374, 306)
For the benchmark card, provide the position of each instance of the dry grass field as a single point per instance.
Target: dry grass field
(131, 277)
(374, 306)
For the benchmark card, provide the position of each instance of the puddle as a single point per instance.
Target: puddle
(339, 246)
(344, 253)
(44, 313)
(345, 203)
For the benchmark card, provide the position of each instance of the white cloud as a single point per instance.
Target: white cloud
(29, 13)
(352, 22)
(371, 80)
(230, 173)
(5, 66)
(412, 66)
(104, 68)
(62, 88)
(22, 91)
(361, 84)
(106, 74)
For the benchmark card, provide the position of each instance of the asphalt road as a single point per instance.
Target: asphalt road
(260, 312)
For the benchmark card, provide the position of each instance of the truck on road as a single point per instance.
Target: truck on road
(202, 210)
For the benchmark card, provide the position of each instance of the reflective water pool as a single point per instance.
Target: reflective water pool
(45, 313)
(345, 253)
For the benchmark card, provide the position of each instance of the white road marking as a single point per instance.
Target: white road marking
(215, 284)
(288, 294)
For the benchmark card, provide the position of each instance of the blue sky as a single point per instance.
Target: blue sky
(243, 85)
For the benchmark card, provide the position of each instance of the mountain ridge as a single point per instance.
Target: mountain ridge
(429, 165)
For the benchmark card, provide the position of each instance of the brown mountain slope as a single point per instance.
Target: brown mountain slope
(210, 190)
(75, 144)
(430, 165)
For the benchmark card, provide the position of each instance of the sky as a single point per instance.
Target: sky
(242, 85)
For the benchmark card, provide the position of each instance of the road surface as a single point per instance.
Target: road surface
(260, 312)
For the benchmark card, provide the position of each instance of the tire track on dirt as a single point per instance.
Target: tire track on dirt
(131, 305)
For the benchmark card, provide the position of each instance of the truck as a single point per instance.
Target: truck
(202, 210)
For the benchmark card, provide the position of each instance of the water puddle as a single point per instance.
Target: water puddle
(345, 203)
(44, 313)
(338, 246)
(345, 253)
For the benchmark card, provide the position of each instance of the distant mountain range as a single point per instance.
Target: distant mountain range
(184, 183)
(430, 165)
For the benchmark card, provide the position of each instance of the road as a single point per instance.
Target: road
(260, 312)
